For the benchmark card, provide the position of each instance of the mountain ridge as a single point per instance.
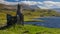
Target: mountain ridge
(2, 6)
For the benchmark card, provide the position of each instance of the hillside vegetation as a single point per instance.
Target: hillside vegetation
(41, 12)
(28, 29)
(29, 14)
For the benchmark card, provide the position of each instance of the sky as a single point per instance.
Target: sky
(44, 4)
(32, 0)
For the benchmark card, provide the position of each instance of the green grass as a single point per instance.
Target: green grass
(18, 29)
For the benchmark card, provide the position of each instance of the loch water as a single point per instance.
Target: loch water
(51, 22)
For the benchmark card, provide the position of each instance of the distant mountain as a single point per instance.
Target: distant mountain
(11, 7)
(1, 6)
(24, 7)
(31, 7)
(57, 9)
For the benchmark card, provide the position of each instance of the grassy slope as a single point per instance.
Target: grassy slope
(32, 29)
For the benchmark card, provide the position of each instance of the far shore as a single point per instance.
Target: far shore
(47, 17)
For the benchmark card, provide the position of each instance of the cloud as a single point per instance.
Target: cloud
(22, 2)
(49, 5)
(44, 5)
(30, 2)
(7, 3)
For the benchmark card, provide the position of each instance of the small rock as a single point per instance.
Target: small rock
(38, 33)
(25, 32)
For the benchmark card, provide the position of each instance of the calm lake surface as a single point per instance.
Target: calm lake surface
(51, 22)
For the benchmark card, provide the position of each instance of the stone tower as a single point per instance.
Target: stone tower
(20, 15)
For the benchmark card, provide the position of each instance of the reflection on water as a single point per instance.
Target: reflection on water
(48, 22)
